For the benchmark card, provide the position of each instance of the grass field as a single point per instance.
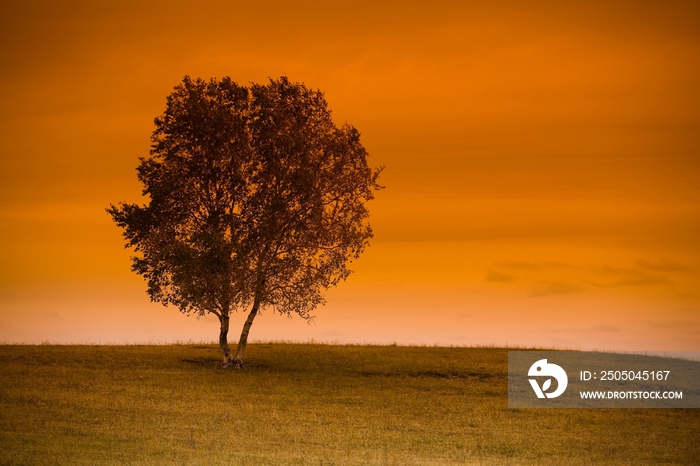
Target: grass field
(308, 405)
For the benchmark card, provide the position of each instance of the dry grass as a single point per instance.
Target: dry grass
(306, 405)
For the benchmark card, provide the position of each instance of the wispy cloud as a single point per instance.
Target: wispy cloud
(519, 265)
(630, 277)
(501, 277)
(604, 328)
(662, 265)
(674, 324)
(516, 265)
(555, 288)
(601, 328)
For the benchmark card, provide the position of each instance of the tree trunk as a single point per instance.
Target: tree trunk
(240, 352)
(223, 340)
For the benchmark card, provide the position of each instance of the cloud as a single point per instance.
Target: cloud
(601, 328)
(631, 277)
(662, 265)
(641, 280)
(555, 288)
(515, 265)
(687, 328)
(557, 265)
(520, 265)
(604, 328)
(496, 276)
(673, 324)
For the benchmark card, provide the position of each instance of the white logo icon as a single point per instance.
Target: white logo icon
(543, 369)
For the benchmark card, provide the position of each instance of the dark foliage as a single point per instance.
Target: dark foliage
(256, 200)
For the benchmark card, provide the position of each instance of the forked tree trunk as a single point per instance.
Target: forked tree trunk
(223, 340)
(240, 352)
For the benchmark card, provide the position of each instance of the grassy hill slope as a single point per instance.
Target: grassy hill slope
(306, 405)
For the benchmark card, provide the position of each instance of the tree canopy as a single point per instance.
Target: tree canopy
(256, 200)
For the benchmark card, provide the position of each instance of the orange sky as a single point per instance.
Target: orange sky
(543, 164)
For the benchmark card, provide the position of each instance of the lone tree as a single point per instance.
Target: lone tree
(257, 200)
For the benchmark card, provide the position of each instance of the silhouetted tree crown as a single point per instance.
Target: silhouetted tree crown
(256, 200)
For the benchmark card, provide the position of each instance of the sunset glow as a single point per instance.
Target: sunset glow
(542, 165)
